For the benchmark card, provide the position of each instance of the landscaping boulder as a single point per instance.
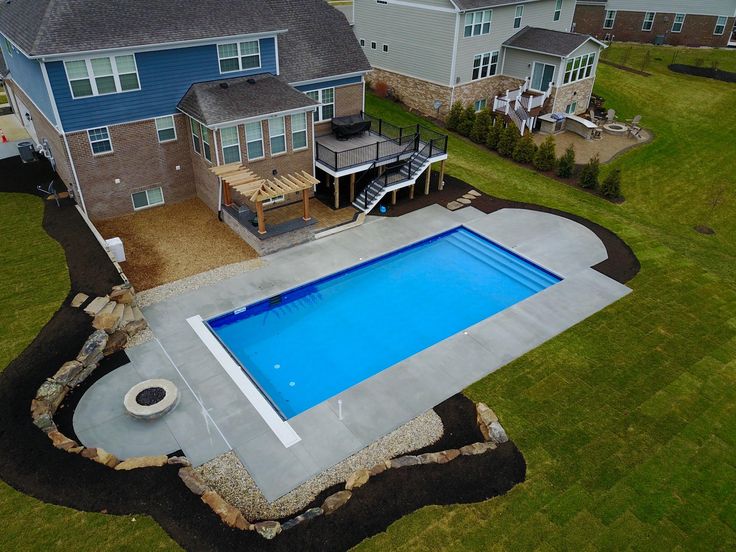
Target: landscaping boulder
(229, 514)
(335, 501)
(84, 374)
(378, 468)
(45, 422)
(403, 461)
(442, 457)
(476, 448)
(79, 300)
(101, 456)
(179, 461)
(485, 417)
(357, 479)
(92, 350)
(51, 393)
(61, 441)
(268, 529)
(142, 462)
(124, 296)
(306, 516)
(136, 326)
(68, 373)
(97, 304)
(497, 433)
(115, 343)
(107, 321)
(193, 482)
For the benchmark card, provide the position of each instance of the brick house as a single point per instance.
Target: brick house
(143, 109)
(432, 53)
(679, 23)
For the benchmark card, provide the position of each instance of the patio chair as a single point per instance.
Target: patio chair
(593, 117)
(634, 128)
(611, 116)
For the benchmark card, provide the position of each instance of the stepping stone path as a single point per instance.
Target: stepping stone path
(79, 300)
(471, 197)
(96, 305)
(464, 200)
(475, 193)
(454, 205)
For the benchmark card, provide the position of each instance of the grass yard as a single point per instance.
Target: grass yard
(33, 283)
(628, 420)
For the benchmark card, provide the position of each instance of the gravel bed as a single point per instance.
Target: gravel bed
(231, 480)
(156, 295)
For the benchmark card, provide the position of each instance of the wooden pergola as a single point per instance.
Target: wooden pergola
(240, 179)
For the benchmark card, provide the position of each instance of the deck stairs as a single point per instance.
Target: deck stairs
(406, 175)
(522, 106)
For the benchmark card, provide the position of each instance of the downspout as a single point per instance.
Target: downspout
(219, 179)
(454, 59)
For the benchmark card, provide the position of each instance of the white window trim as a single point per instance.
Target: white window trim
(675, 22)
(554, 74)
(580, 71)
(723, 29)
(374, 45)
(240, 56)
(305, 131)
(518, 14)
(272, 136)
(471, 22)
(558, 11)
(91, 77)
(223, 146)
(361, 41)
(109, 139)
(490, 64)
(478, 108)
(8, 46)
(196, 134)
(247, 141)
(149, 204)
(385, 48)
(204, 131)
(173, 127)
(651, 23)
(613, 19)
(320, 96)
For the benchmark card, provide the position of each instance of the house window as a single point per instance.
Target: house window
(579, 68)
(678, 22)
(385, 48)
(558, 10)
(165, 128)
(485, 65)
(148, 198)
(205, 133)
(277, 135)
(99, 140)
(230, 144)
(480, 105)
(518, 16)
(609, 19)
(571, 108)
(8, 46)
(720, 25)
(277, 199)
(374, 46)
(477, 23)
(648, 21)
(103, 75)
(196, 144)
(254, 140)
(362, 42)
(299, 131)
(239, 56)
(326, 97)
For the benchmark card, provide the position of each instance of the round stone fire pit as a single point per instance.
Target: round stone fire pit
(151, 399)
(615, 128)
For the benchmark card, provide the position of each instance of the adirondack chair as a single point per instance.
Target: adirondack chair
(634, 128)
(611, 116)
(593, 116)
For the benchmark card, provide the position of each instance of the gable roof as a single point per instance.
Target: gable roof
(547, 41)
(229, 100)
(467, 5)
(318, 40)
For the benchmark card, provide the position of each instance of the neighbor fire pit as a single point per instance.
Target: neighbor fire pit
(615, 128)
(151, 399)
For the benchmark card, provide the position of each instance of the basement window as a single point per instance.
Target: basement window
(147, 198)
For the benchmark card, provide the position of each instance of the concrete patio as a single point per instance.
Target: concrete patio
(214, 415)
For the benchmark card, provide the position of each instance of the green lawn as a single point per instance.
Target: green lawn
(33, 283)
(628, 420)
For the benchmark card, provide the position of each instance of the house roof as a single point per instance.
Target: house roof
(547, 41)
(318, 40)
(229, 100)
(467, 5)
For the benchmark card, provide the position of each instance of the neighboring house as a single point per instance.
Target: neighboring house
(136, 102)
(432, 53)
(675, 22)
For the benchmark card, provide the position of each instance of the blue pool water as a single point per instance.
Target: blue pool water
(312, 342)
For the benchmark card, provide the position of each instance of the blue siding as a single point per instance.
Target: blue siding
(165, 76)
(329, 83)
(28, 75)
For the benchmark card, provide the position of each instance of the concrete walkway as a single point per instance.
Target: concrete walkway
(383, 402)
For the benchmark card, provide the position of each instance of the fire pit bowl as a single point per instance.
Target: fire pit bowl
(151, 399)
(615, 128)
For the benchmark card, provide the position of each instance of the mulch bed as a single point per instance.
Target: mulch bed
(625, 68)
(706, 72)
(621, 265)
(30, 464)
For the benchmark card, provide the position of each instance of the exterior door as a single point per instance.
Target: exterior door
(26, 120)
(542, 75)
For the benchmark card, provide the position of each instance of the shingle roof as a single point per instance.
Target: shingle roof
(319, 41)
(227, 100)
(466, 5)
(557, 43)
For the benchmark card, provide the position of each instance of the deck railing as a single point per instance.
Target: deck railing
(393, 142)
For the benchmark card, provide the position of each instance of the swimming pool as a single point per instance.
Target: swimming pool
(312, 342)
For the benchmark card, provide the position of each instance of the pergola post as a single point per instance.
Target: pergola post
(352, 187)
(427, 176)
(442, 175)
(261, 221)
(337, 192)
(393, 197)
(411, 191)
(305, 202)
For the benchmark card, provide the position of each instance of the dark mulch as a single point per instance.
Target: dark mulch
(626, 68)
(621, 265)
(30, 464)
(706, 72)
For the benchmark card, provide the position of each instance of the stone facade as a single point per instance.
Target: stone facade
(138, 161)
(415, 93)
(486, 89)
(579, 92)
(696, 31)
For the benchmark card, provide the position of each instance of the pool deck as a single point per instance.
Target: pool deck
(214, 415)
